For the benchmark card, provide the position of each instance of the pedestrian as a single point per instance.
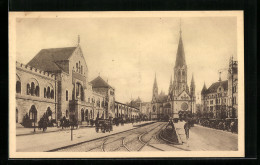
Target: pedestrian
(187, 128)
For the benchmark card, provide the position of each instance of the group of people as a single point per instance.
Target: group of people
(187, 126)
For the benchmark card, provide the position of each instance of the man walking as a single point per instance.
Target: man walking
(187, 128)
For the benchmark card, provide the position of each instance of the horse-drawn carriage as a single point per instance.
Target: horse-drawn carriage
(105, 125)
(66, 123)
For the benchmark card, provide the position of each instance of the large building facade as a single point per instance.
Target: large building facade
(220, 99)
(180, 100)
(55, 83)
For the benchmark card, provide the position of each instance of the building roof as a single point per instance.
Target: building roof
(46, 58)
(161, 98)
(100, 83)
(204, 89)
(213, 88)
(180, 57)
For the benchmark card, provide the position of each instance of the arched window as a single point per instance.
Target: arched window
(67, 113)
(37, 91)
(77, 67)
(45, 93)
(86, 114)
(52, 94)
(28, 89)
(33, 113)
(32, 89)
(18, 87)
(179, 73)
(98, 102)
(48, 92)
(183, 73)
(103, 103)
(82, 93)
(82, 115)
(81, 69)
(91, 114)
(16, 115)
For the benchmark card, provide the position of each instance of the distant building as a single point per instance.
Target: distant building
(232, 89)
(216, 101)
(146, 109)
(126, 111)
(180, 100)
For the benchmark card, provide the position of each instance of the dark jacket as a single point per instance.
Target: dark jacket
(186, 126)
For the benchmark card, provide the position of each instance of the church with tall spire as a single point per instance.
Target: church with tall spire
(181, 100)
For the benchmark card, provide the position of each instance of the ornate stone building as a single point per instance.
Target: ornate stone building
(217, 100)
(55, 82)
(214, 99)
(180, 100)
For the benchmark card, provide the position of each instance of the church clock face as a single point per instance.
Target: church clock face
(184, 106)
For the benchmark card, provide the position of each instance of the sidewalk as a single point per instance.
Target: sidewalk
(55, 138)
(206, 139)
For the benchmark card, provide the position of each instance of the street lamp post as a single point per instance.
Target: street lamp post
(34, 124)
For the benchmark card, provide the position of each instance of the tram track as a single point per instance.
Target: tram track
(128, 141)
(117, 137)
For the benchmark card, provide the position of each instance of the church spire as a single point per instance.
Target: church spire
(204, 89)
(155, 86)
(180, 57)
(78, 39)
(170, 86)
(155, 89)
(192, 86)
(155, 82)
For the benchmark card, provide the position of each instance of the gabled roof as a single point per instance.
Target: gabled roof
(213, 88)
(100, 83)
(46, 58)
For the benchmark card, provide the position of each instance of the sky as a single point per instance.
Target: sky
(127, 52)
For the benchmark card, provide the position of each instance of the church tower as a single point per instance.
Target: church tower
(192, 87)
(180, 69)
(155, 89)
(170, 93)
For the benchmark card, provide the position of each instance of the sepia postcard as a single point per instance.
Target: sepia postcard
(126, 84)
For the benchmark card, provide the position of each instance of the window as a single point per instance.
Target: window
(81, 69)
(16, 115)
(33, 113)
(52, 94)
(37, 91)
(67, 113)
(45, 92)
(67, 95)
(89, 100)
(18, 87)
(28, 89)
(32, 88)
(48, 92)
(77, 67)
